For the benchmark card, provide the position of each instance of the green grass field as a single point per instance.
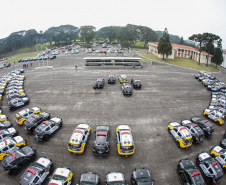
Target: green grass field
(182, 62)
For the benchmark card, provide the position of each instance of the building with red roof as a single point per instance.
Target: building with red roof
(181, 51)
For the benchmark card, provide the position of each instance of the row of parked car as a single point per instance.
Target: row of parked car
(210, 166)
(101, 144)
(36, 58)
(38, 172)
(126, 87)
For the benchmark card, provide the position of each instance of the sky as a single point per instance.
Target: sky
(180, 17)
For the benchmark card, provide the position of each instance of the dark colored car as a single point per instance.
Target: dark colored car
(13, 162)
(47, 128)
(37, 172)
(89, 178)
(5, 124)
(136, 83)
(16, 95)
(205, 125)
(189, 173)
(111, 79)
(7, 64)
(33, 121)
(197, 76)
(17, 103)
(101, 145)
(52, 57)
(99, 83)
(127, 89)
(141, 176)
(210, 168)
(196, 132)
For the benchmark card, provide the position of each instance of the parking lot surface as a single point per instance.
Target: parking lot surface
(169, 93)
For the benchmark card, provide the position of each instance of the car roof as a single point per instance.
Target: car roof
(77, 135)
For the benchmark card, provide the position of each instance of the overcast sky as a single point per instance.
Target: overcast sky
(182, 18)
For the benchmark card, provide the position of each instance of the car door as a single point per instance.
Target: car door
(53, 127)
(20, 103)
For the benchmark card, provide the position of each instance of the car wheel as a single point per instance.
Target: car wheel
(15, 172)
(178, 144)
(178, 170)
(169, 130)
(60, 125)
(46, 137)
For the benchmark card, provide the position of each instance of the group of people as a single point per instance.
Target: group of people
(26, 65)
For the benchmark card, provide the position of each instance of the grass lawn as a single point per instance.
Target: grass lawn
(15, 59)
(183, 62)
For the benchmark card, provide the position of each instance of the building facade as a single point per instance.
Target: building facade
(182, 52)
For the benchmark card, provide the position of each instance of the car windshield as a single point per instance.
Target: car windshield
(145, 179)
(38, 166)
(59, 178)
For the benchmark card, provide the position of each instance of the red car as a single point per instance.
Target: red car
(101, 51)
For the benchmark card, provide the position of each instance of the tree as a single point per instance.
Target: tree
(198, 38)
(146, 34)
(108, 33)
(217, 56)
(87, 33)
(181, 41)
(209, 40)
(164, 46)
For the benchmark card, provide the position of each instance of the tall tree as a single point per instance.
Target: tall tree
(181, 41)
(87, 33)
(200, 39)
(217, 56)
(211, 39)
(165, 47)
(108, 33)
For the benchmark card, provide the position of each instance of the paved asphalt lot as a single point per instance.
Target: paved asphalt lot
(169, 94)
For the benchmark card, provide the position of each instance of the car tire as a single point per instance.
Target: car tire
(178, 170)
(169, 130)
(178, 144)
(46, 137)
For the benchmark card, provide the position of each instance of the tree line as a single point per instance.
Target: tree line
(127, 36)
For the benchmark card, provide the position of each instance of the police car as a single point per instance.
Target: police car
(10, 145)
(90, 178)
(79, 138)
(127, 89)
(111, 79)
(210, 168)
(3, 117)
(61, 176)
(115, 178)
(5, 124)
(141, 176)
(6, 147)
(122, 78)
(17, 103)
(220, 155)
(189, 173)
(9, 132)
(47, 128)
(215, 116)
(136, 83)
(196, 132)
(25, 114)
(205, 125)
(37, 172)
(125, 143)
(180, 134)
